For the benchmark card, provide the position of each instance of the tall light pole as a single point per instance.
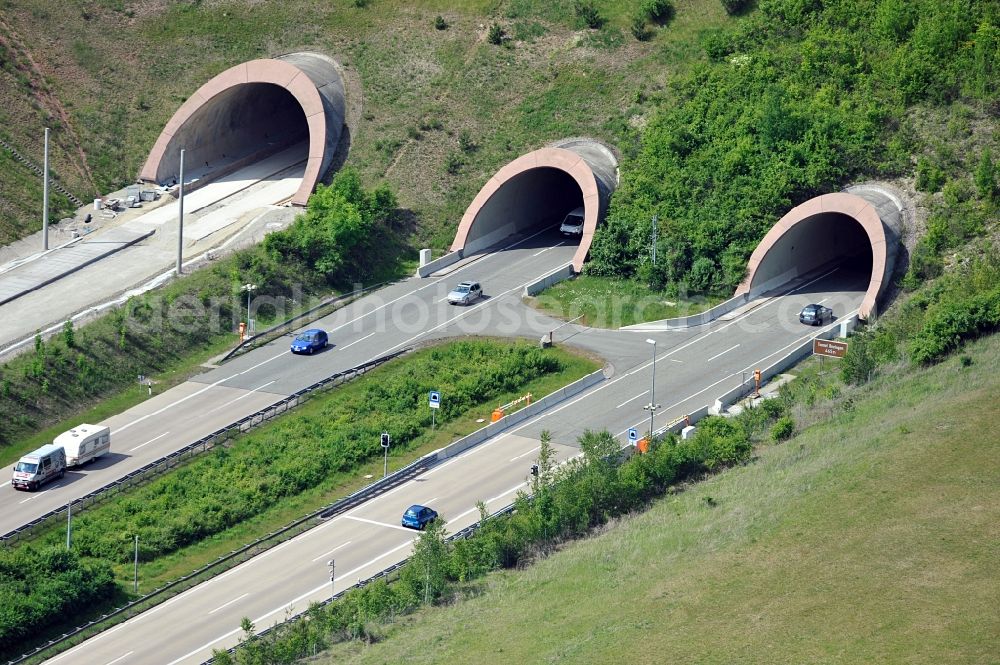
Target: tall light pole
(385, 447)
(249, 288)
(69, 525)
(45, 194)
(135, 577)
(180, 218)
(332, 568)
(652, 406)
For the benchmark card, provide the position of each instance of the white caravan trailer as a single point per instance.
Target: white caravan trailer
(84, 443)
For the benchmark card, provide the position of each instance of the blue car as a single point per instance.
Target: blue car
(417, 517)
(310, 341)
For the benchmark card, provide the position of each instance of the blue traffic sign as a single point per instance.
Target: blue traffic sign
(633, 435)
(435, 399)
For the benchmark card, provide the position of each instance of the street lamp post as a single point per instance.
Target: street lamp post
(385, 447)
(249, 288)
(332, 565)
(652, 406)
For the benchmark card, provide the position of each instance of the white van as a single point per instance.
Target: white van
(572, 225)
(38, 467)
(84, 443)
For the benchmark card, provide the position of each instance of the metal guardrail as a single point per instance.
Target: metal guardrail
(249, 550)
(248, 343)
(460, 535)
(202, 445)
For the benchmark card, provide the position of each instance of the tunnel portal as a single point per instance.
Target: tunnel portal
(251, 111)
(537, 190)
(834, 230)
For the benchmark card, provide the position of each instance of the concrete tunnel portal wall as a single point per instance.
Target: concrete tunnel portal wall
(253, 110)
(539, 188)
(832, 229)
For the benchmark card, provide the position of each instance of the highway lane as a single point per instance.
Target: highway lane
(392, 318)
(293, 574)
(692, 368)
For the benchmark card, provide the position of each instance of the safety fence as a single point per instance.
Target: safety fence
(382, 574)
(219, 436)
(282, 328)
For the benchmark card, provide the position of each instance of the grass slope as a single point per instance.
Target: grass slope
(870, 537)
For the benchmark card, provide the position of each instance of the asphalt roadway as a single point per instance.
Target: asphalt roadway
(692, 368)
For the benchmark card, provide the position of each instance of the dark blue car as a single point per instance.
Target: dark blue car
(417, 517)
(310, 341)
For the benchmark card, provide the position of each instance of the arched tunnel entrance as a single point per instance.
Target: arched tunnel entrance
(530, 201)
(835, 231)
(535, 193)
(242, 122)
(293, 105)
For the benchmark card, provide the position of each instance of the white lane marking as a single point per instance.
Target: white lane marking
(5, 484)
(126, 655)
(734, 346)
(250, 369)
(547, 249)
(674, 360)
(449, 276)
(323, 556)
(514, 459)
(748, 367)
(229, 603)
(430, 501)
(347, 346)
(385, 524)
(173, 404)
(325, 585)
(632, 399)
(243, 396)
(29, 498)
(454, 319)
(490, 500)
(148, 442)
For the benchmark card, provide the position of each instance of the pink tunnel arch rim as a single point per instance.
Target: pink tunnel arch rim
(554, 158)
(276, 72)
(846, 204)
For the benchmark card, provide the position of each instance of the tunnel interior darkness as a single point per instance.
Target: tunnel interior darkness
(822, 239)
(527, 202)
(250, 120)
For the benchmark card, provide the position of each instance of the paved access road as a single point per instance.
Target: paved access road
(293, 574)
(692, 368)
(396, 317)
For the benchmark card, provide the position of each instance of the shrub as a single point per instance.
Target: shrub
(440, 23)
(660, 11)
(496, 34)
(453, 163)
(639, 29)
(587, 12)
(986, 179)
(465, 142)
(930, 178)
(782, 429)
(735, 6)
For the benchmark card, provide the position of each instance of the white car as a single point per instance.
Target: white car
(465, 293)
(572, 225)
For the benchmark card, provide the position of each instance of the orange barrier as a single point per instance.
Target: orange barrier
(497, 415)
(642, 445)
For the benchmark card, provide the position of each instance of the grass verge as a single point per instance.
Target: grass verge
(607, 302)
(869, 537)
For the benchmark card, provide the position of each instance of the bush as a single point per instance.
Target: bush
(735, 6)
(587, 12)
(440, 23)
(782, 429)
(496, 34)
(639, 29)
(660, 11)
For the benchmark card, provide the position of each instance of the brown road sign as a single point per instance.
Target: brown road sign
(831, 348)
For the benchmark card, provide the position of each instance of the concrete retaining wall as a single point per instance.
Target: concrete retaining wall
(554, 277)
(707, 316)
(439, 263)
(508, 421)
(797, 354)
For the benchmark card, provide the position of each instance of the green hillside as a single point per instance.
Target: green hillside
(869, 537)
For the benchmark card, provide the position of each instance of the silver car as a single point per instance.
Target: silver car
(465, 293)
